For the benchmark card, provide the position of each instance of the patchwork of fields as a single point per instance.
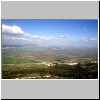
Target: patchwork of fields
(32, 63)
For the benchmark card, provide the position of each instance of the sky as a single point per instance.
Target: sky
(79, 33)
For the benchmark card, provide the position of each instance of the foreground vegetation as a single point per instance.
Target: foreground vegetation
(80, 71)
(59, 71)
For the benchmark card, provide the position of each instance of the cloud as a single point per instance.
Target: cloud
(84, 39)
(16, 33)
(88, 39)
(11, 29)
(93, 39)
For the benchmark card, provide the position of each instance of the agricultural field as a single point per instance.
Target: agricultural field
(38, 63)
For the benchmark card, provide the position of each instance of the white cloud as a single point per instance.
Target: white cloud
(88, 39)
(16, 33)
(84, 39)
(11, 29)
(93, 39)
